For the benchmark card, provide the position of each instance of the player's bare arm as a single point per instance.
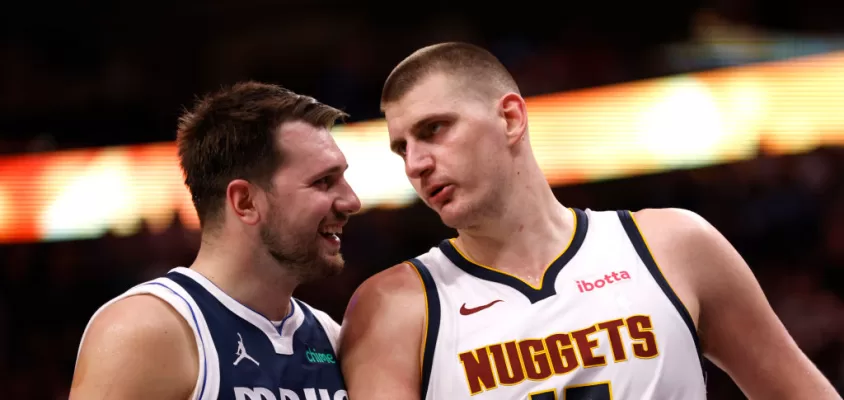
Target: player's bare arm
(738, 329)
(137, 348)
(382, 335)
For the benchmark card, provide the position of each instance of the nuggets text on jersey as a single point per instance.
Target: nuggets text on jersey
(512, 362)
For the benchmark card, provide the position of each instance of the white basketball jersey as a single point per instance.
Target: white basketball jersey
(603, 324)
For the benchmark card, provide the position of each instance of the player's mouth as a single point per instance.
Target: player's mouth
(332, 233)
(439, 194)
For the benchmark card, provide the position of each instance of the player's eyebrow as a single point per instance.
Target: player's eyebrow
(333, 170)
(395, 144)
(418, 125)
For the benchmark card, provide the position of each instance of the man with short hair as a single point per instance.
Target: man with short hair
(267, 181)
(536, 301)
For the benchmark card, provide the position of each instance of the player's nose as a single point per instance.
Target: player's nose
(417, 162)
(348, 201)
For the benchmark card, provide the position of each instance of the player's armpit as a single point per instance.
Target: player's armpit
(738, 329)
(381, 336)
(137, 348)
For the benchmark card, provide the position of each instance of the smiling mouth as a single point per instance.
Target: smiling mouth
(331, 232)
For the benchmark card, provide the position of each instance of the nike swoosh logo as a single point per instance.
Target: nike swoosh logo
(470, 311)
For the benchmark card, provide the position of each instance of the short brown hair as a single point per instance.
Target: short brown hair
(464, 60)
(231, 134)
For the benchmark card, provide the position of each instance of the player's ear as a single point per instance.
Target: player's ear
(242, 198)
(513, 110)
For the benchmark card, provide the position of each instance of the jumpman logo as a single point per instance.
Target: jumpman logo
(241, 352)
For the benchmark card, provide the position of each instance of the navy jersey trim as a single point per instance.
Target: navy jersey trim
(549, 279)
(305, 310)
(289, 314)
(638, 240)
(432, 322)
(311, 318)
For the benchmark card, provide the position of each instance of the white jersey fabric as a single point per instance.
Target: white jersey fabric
(604, 324)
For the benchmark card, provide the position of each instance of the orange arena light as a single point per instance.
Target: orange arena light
(607, 132)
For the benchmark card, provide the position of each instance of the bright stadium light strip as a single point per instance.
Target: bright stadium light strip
(376, 174)
(600, 133)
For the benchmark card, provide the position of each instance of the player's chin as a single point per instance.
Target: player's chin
(324, 267)
(452, 215)
(333, 264)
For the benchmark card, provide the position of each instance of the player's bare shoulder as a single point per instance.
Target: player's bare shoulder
(399, 280)
(136, 347)
(680, 236)
(397, 289)
(678, 239)
(675, 224)
(382, 334)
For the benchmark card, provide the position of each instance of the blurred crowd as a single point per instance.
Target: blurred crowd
(784, 214)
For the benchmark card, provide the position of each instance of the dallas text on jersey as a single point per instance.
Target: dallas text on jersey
(259, 393)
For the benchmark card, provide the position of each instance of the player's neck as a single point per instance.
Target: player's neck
(250, 277)
(532, 229)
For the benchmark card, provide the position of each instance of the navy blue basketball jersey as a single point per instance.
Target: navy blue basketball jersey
(245, 356)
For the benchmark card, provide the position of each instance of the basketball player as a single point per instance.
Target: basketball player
(536, 301)
(266, 178)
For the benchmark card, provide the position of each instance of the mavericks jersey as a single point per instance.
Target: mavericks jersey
(603, 324)
(245, 356)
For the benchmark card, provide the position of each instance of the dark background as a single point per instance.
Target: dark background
(95, 73)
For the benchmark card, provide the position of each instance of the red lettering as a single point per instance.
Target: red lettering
(535, 357)
(507, 363)
(586, 286)
(478, 370)
(585, 346)
(617, 346)
(561, 352)
(640, 327)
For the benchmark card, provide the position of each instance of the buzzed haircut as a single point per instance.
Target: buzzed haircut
(473, 64)
(231, 134)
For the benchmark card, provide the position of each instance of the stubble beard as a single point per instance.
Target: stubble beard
(300, 255)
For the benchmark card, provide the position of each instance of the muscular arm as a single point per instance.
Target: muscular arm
(137, 348)
(381, 336)
(738, 328)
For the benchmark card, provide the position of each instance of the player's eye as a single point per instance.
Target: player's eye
(432, 129)
(323, 182)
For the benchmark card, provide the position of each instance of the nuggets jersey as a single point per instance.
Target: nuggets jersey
(242, 354)
(603, 324)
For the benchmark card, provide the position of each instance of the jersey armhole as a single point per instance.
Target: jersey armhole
(628, 221)
(208, 380)
(432, 324)
(328, 324)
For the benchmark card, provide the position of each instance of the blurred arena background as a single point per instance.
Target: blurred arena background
(733, 109)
